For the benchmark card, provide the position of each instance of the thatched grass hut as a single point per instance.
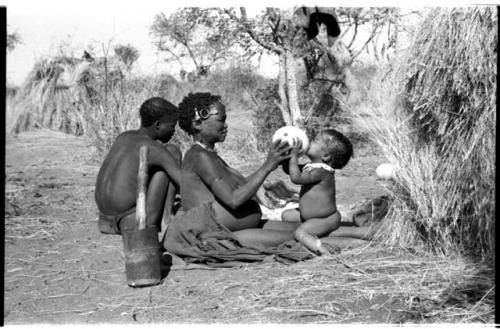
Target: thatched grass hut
(440, 133)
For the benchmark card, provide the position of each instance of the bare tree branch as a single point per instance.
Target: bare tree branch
(372, 35)
(243, 21)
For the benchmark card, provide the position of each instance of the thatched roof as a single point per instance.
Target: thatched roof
(450, 71)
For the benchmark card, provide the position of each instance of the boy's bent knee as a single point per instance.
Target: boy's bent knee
(175, 151)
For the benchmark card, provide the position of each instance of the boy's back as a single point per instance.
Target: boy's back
(116, 185)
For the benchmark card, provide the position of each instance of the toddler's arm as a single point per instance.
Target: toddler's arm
(301, 178)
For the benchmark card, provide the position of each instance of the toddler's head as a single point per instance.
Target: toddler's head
(336, 148)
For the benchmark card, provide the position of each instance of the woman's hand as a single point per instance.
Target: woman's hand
(278, 152)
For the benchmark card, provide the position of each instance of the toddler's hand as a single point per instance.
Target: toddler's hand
(297, 146)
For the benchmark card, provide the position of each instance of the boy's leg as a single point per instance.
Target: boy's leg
(269, 238)
(171, 188)
(309, 232)
(156, 198)
(291, 215)
(155, 202)
(160, 196)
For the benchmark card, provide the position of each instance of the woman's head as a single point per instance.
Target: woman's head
(203, 114)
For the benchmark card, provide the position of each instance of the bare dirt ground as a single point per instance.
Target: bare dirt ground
(60, 269)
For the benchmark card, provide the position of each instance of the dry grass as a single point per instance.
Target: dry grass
(440, 134)
(41, 102)
(366, 285)
(375, 286)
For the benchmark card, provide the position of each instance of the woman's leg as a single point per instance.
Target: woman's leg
(280, 226)
(171, 189)
(364, 232)
(269, 238)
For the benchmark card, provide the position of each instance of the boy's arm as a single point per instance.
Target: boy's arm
(301, 178)
(159, 156)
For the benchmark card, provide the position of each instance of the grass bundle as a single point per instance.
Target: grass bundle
(79, 98)
(116, 109)
(43, 102)
(440, 132)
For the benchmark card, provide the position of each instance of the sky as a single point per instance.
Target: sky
(45, 25)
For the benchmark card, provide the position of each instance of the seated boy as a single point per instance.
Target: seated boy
(116, 186)
(317, 210)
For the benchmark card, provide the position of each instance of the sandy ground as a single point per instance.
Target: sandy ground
(60, 269)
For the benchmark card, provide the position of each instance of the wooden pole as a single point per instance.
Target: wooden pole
(142, 185)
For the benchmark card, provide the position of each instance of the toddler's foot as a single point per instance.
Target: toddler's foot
(323, 252)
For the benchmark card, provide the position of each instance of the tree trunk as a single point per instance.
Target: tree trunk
(291, 84)
(282, 83)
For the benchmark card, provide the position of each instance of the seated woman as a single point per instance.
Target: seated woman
(207, 179)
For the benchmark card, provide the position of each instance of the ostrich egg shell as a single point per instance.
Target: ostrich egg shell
(385, 171)
(289, 133)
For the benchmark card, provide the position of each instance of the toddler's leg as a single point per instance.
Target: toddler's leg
(308, 232)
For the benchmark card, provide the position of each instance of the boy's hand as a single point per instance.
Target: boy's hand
(278, 152)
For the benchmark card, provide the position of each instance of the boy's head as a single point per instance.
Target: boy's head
(332, 147)
(159, 115)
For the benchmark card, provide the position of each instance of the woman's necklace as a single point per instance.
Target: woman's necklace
(205, 147)
(212, 151)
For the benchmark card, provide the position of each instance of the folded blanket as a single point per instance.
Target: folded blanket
(197, 237)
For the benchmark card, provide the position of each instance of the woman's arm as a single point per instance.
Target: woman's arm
(223, 190)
